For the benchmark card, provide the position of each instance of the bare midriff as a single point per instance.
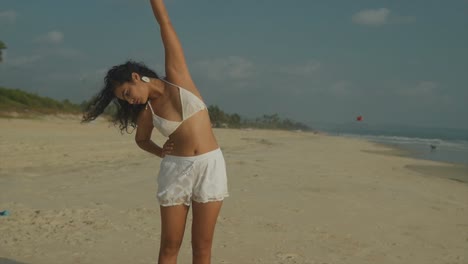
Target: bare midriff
(194, 136)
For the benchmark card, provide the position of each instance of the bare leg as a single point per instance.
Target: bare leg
(203, 225)
(173, 219)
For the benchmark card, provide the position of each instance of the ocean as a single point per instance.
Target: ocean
(438, 144)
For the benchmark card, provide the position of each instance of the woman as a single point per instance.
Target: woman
(192, 171)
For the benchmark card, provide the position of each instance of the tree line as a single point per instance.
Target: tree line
(21, 101)
(273, 121)
(2, 47)
(24, 102)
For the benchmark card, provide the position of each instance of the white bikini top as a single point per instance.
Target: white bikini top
(191, 104)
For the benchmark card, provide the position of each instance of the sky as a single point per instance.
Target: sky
(317, 62)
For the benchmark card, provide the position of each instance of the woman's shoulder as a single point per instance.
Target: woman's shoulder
(184, 82)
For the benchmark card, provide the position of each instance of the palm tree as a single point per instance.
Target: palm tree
(2, 47)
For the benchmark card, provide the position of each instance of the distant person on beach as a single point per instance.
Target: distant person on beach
(192, 171)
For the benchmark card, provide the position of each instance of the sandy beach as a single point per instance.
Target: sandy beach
(86, 194)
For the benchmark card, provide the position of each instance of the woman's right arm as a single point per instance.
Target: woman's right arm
(175, 63)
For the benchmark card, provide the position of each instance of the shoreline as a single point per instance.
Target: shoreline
(442, 169)
(456, 171)
(450, 171)
(448, 152)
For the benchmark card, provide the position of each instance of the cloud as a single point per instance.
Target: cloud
(340, 88)
(423, 88)
(230, 68)
(23, 60)
(96, 75)
(371, 17)
(69, 53)
(48, 57)
(302, 69)
(428, 94)
(418, 93)
(8, 16)
(52, 37)
(401, 19)
(379, 17)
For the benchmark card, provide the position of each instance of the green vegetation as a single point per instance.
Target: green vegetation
(14, 100)
(2, 47)
(222, 119)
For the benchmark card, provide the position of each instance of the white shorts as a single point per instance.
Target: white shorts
(199, 178)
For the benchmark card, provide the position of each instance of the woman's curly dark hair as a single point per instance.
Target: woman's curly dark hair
(126, 114)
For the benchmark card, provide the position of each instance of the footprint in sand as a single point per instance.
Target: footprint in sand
(289, 258)
(272, 226)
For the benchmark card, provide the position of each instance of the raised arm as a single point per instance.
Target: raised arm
(176, 66)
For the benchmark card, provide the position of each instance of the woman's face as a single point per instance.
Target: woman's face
(134, 92)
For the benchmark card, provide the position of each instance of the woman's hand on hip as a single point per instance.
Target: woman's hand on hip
(167, 148)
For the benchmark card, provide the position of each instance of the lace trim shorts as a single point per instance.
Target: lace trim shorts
(199, 178)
